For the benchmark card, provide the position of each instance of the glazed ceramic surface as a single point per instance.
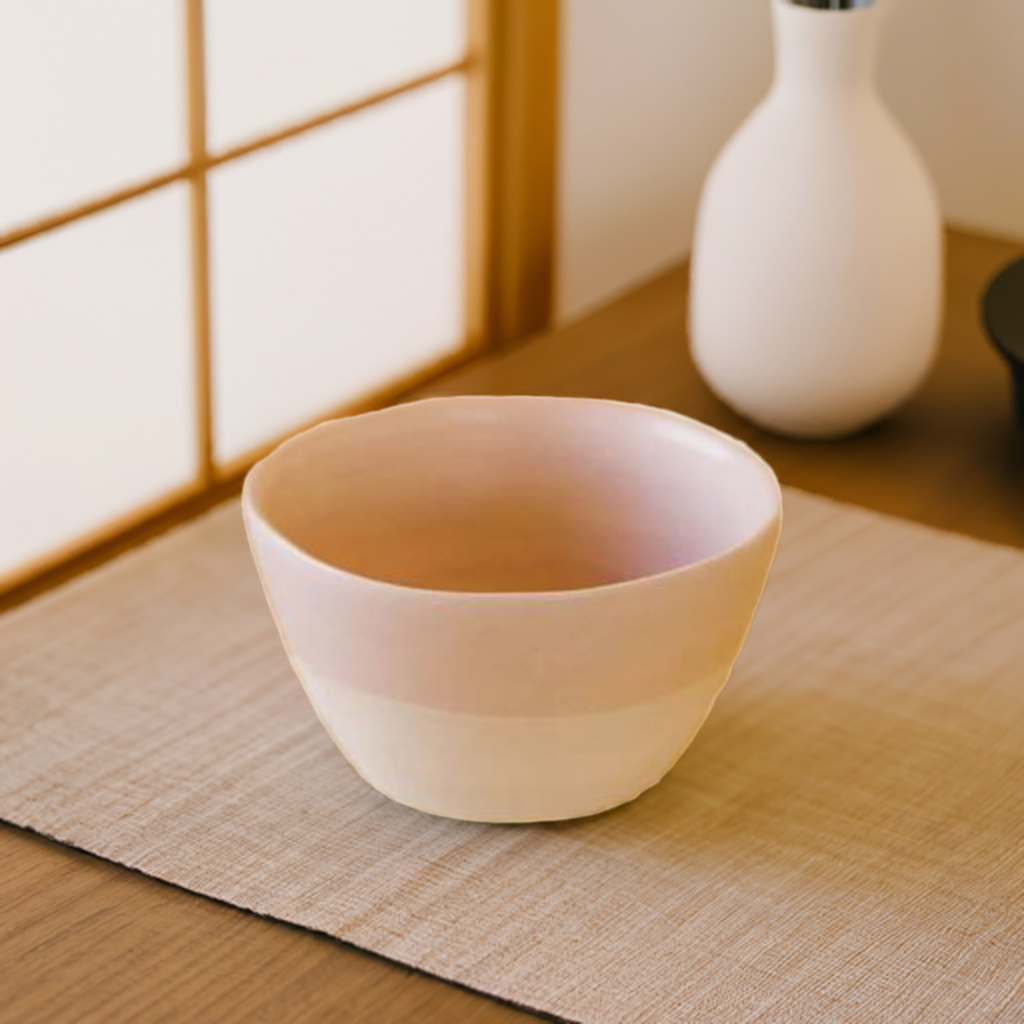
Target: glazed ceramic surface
(513, 609)
(816, 285)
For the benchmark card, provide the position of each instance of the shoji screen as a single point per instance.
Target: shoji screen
(219, 222)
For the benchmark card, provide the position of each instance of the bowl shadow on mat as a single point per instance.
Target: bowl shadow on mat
(837, 774)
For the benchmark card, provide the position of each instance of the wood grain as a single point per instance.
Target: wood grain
(84, 940)
(512, 146)
(195, 34)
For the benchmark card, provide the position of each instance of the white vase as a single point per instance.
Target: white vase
(816, 281)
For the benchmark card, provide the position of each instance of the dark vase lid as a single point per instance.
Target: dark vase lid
(833, 5)
(1003, 311)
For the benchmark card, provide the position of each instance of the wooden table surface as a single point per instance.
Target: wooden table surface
(85, 940)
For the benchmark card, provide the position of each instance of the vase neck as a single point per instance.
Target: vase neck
(824, 51)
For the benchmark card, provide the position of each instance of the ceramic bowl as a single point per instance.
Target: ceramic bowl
(513, 609)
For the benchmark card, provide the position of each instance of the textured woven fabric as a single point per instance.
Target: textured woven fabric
(844, 841)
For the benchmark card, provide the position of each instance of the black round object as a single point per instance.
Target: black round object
(1003, 311)
(833, 5)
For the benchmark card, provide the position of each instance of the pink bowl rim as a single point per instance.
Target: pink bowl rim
(771, 523)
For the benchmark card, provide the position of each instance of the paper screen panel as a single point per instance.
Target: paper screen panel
(337, 264)
(271, 62)
(96, 371)
(92, 98)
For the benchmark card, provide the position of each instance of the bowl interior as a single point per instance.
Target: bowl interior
(513, 494)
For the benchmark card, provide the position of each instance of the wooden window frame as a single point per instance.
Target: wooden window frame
(511, 73)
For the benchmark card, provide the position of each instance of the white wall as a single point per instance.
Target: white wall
(651, 89)
(953, 73)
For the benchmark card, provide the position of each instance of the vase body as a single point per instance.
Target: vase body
(816, 280)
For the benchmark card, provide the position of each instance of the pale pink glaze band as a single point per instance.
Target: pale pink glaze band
(634, 545)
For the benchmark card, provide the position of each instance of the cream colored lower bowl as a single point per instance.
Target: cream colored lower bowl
(513, 609)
